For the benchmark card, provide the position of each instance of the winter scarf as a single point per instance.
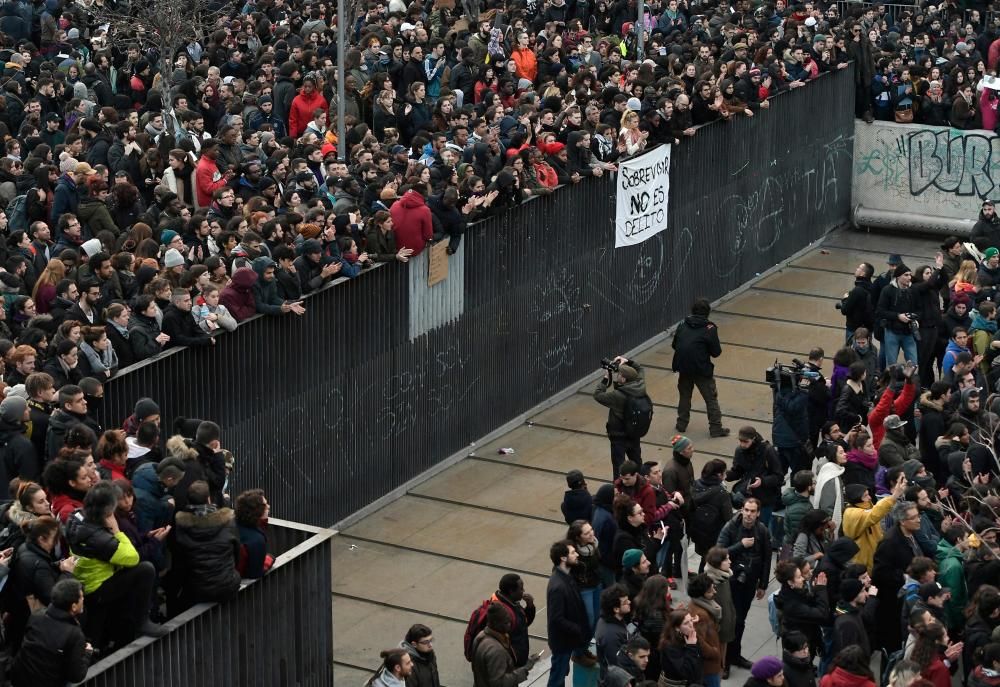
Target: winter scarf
(979, 322)
(714, 609)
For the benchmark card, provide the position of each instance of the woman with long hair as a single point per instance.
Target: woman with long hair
(586, 572)
(929, 653)
(680, 655)
(649, 612)
(45, 287)
(633, 139)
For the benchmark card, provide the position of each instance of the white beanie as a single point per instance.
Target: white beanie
(173, 258)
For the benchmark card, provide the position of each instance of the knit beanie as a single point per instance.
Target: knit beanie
(12, 409)
(900, 270)
(849, 590)
(679, 443)
(146, 407)
(167, 236)
(766, 668)
(630, 558)
(173, 258)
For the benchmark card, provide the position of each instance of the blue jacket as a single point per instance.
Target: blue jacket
(950, 352)
(791, 418)
(151, 507)
(66, 199)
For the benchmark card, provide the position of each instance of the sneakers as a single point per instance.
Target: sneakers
(680, 428)
(721, 432)
(151, 629)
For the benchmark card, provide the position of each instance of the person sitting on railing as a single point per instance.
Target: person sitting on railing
(118, 586)
(205, 549)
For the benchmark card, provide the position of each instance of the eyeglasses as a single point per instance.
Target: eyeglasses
(426, 642)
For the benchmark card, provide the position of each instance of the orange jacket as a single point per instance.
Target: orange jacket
(527, 63)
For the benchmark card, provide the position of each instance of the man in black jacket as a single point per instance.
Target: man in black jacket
(857, 306)
(179, 323)
(896, 303)
(510, 592)
(696, 342)
(749, 546)
(986, 232)
(893, 555)
(54, 651)
(568, 625)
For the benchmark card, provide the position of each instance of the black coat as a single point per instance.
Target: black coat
(799, 672)
(122, 346)
(577, 505)
(142, 333)
(35, 572)
(858, 307)
(756, 560)
(59, 424)
(61, 377)
(803, 611)
(891, 303)
(53, 652)
(849, 628)
(892, 556)
(710, 493)
(760, 460)
(695, 343)
(182, 329)
(18, 453)
(206, 549)
(568, 624)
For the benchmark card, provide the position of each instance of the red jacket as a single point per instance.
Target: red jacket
(205, 182)
(937, 672)
(238, 295)
(63, 506)
(301, 111)
(888, 405)
(643, 494)
(411, 220)
(841, 678)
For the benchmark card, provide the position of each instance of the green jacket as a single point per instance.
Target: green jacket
(951, 563)
(93, 572)
(796, 506)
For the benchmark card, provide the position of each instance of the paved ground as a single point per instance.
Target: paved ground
(436, 553)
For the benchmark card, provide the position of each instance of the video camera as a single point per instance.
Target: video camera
(790, 376)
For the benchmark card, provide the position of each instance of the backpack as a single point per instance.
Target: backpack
(17, 213)
(890, 661)
(704, 522)
(772, 614)
(477, 623)
(638, 415)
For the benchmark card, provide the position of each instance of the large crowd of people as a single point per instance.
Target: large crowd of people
(874, 509)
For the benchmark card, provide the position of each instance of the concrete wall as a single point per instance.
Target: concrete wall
(927, 170)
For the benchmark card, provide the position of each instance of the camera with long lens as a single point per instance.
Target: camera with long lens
(914, 325)
(609, 365)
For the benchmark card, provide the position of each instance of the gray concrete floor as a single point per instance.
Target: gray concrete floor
(433, 555)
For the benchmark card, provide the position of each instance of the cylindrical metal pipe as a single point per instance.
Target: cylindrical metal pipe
(924, 224)
(640, 30)
(341, 52)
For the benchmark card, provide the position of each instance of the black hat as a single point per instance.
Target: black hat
(849, 590)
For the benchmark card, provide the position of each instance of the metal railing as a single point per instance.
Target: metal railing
(332, 410)
(277, 631)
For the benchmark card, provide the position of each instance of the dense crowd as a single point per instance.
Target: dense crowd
(873, 509)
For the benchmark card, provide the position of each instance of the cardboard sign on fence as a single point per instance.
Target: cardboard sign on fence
(437, 265)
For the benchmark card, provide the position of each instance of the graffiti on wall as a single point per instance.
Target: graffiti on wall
(934, 170)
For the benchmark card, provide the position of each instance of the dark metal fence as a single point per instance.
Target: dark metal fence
(330, 411)
(278, 632)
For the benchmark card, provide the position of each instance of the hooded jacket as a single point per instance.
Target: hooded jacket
(265, 293)
(796, 506)
(411, 220)
(206, 550)
(932, 425)
(238, 296)
(301, 111)
(615, 396)
(695, 343)
(951, 575)
(425, 667)
(896, 449)
(603, 522)
(18, 453)
(142, 333)
(101, 553)
(862, 524)
(839, 554)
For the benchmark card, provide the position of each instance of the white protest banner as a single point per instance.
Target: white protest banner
(643, 192)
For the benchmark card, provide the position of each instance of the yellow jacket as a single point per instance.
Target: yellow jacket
(862, 525)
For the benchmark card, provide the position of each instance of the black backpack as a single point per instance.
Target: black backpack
(638, 415)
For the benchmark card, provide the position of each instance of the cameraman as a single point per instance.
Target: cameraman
(790, 431)
(628, 379)
(896, 305)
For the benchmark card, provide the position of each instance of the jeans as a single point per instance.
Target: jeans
(592, 602)
(621, 447)
(894, 342)
(743, 595)
(712, 680)
(559, 668)
(706, 387)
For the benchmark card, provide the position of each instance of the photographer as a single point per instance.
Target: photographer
(790, 431)
(623, 380)
(895, 311)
